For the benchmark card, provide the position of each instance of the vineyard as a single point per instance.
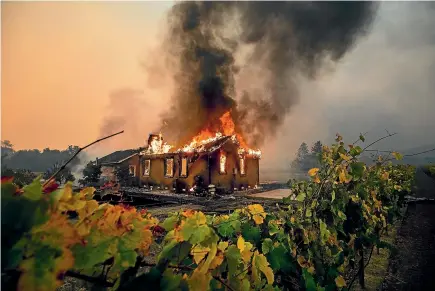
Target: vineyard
(316, 240)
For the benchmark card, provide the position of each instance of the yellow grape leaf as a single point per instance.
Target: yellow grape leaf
(67, 192)
(339, 281)
(312, 172)
(188, 213)
(217, 260)
(343, 177)
(204, 266)
(341, 268)
(87, 192)
(83, 228)
(246, 255)
(201, 218)
(58, 230)
(397, 187)
(199, 253)
(397, 156)
(222, 245)
(146, 240)
(344, 157)
(88, 209)
(241, 243)
(354, 198)
(199, 281)
(257, 212)
(311, 270)
(292, 219)
(65, 262)
(259, 262)
(317, 179)
(385, 176)
(302, 262)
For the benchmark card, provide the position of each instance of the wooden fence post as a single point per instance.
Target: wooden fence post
(361, 268)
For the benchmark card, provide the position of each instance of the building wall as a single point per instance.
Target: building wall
(229, 180)
(157, 172)
(134, 161)
(233, 178)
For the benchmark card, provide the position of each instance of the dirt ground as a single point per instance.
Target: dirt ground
(413, 266)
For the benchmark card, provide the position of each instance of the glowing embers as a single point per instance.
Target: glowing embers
(146, 167)
(242, 166)
(183, 172)
(222, 163)
(169, 167)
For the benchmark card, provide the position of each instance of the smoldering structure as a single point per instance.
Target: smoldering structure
(284, 40)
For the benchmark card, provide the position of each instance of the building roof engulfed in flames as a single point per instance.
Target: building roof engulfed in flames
(205, 141)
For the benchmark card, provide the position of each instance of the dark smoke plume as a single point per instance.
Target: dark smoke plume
(287, 39)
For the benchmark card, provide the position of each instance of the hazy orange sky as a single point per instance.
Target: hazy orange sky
(60, 61)
(68, 66)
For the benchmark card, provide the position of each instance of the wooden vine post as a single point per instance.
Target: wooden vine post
(361, 267)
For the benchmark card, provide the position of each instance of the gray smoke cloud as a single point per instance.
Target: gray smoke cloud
(385, 82)
(282, 40)
(129, 110)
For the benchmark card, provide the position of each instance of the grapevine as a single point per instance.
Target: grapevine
(312, 242)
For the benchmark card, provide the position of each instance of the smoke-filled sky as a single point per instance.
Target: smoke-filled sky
(72, 71)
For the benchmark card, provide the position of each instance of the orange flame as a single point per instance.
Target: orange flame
(227, 128)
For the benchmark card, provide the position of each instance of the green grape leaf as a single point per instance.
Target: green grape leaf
(225, 229)
(170, 281)
(301, 197)
(33, 191)
(310, 285)
(357, 169)
(251, 233)
(362, 138)
(267, 245)
(280, 259)
(170, 222)
(355, 151)
(246, 285)
(273, 228)
(200, 234)
(96, 251)
(233, 259)
(308, 213)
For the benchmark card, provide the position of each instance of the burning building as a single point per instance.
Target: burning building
(220, 158)
(219, 104)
